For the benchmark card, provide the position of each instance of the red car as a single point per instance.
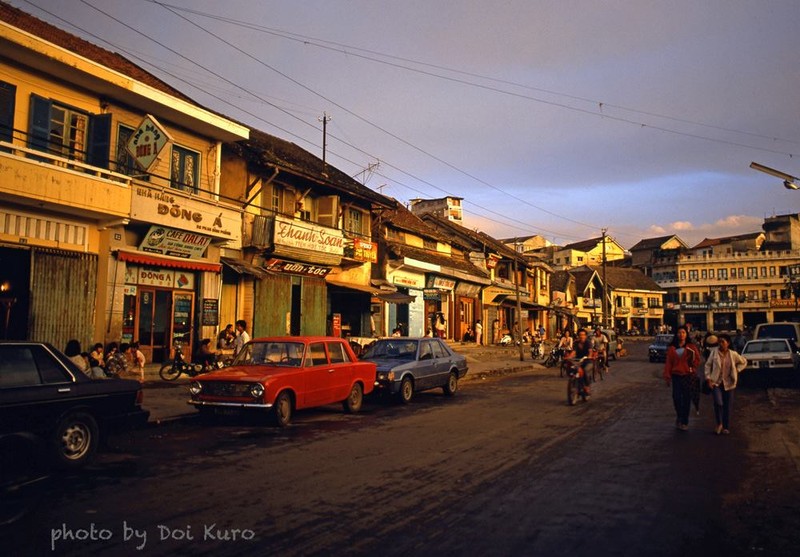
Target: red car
(283, 374)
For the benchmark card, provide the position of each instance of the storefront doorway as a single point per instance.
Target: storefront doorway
(159, 317)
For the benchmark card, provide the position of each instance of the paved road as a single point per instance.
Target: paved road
(504, 468)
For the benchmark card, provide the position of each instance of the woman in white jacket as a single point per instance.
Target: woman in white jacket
(722, 372)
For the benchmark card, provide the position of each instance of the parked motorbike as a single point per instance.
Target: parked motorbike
(178, 366)
(536, 349)
(577, 382)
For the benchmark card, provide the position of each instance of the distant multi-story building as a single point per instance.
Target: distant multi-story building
(586, 252)
(732, 282)
(447, 208)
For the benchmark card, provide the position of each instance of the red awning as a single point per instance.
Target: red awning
(165, 261)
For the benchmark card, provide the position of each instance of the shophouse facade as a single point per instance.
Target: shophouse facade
(305, 266)
(112, 221)
(724, 284)
(585, 252)
(427, 262)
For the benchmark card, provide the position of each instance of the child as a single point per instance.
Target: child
(138, 360)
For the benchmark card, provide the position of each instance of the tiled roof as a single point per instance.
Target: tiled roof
(654, 243)
(709, 242)
(478, 239)
(585, 245)
(402, 218)
(619, 278)
(269, 151)
(402, 250)
(84, 48)
(560, 281)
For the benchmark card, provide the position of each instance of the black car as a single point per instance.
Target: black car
(658, 350)
(47, 405)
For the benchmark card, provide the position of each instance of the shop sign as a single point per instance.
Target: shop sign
(781, 303)
(157, 276)
(559, 298)
(168, 208)
(336, 324)
(147, 142)
(408, 280)
(176, 243)
(724, 305)
(441, 283)
(129, 290)
(308, 236)
(210, 312)
(365, 251)
(694, 306)
(294, 267)
(431, 294)
(491, 261)
(623, 311)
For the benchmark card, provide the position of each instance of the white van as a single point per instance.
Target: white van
(780, 329)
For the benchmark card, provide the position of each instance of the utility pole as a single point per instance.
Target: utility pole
(325, 119)
(605, 288)
(519, 312)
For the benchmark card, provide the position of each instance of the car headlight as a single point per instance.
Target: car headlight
(195, 387)
(256, 390)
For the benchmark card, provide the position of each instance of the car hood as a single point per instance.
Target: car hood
(390, 364)
(256, 373)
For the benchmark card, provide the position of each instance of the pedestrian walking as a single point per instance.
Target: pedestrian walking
(683, 357)
(722, 373)
(478, 332)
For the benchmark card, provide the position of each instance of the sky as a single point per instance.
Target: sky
(559, 118)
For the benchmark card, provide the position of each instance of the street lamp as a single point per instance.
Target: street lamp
(789, 181)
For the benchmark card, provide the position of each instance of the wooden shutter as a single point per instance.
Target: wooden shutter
(99, 140)
(328, 211)
(7, 97)
(39, 132)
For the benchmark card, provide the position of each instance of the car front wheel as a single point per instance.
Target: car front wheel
(75, 440)
(352, 403)
(451, 386)
(282, 410)
(406, 389)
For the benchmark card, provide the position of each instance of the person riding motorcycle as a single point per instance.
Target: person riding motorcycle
(582, 352)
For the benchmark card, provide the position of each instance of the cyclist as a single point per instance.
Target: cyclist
(582, 350)
(600, 346)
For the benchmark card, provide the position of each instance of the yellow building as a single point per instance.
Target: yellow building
(724, 284)
(111, 221)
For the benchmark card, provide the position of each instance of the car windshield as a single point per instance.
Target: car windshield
(402, 349)
(756, 347)
(776, 330)
(663, 339)
(270, 353)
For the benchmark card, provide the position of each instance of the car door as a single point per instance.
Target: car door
(34, 388)
(319, 375)
(343, 372)
(442, 362)
(425, 369)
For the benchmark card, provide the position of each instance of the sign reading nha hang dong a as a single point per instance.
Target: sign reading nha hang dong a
(147, 142)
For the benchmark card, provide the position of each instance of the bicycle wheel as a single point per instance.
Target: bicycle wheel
(169, 372)
(572, 390)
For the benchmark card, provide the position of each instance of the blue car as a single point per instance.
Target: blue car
(408, 365)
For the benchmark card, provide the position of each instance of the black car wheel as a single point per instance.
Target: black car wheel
(282, 409)
(451, 386)
(75, 440)
(352, 403)
(406, 389)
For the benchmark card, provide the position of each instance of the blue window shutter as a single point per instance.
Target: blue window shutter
(99, 140)
(8, 94)
(39, 132)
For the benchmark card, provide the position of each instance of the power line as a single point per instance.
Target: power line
(351, 51)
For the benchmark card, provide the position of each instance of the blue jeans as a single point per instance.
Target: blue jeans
(723, 400)
(682, 397)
